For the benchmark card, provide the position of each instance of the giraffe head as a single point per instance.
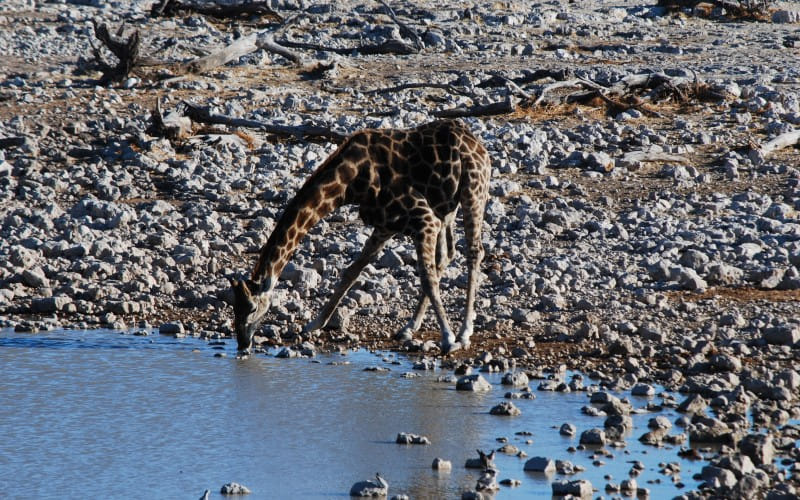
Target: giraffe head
(249, 309)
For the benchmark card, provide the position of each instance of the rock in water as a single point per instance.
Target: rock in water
(473, 382)
(407, 438)
(370, 488)
(234, 489)
(540, 464)
(506, 408)
(441, 464)
(580, 488)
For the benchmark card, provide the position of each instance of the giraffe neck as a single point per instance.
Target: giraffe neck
(322, 193)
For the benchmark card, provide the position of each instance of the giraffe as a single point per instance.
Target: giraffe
(405, 182)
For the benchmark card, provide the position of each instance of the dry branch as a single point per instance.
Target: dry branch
(237, 49)
(508, 105)
(405, 30)
(205, 115)
(421, 85)
(388, 47)
(555, 86)
(760, 154)
(634, 158)
(527, 77)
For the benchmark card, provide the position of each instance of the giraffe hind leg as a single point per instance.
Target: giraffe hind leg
(473, 204)
(445, 250)
(426, 241)
(374, 244)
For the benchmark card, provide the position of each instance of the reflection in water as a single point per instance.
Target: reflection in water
(99, 414)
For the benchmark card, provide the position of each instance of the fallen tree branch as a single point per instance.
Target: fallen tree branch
(555, 86)
(236, 11)
(388, 47)
(405, 30)
(421, 85)
(527, 77)
(237, 49)
(508, 105)
(634, 158)
(617, 105)
(760, 154)
(205, 115)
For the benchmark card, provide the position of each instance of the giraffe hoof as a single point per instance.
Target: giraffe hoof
(403, 335)
(451, 347)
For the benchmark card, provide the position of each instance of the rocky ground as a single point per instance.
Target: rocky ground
(644, 241)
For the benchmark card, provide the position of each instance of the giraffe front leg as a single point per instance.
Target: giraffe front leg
(407, 332)
(371, 248)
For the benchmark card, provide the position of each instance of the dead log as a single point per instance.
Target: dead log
(555, 86)
(421, 85)
(508, 105)
(237, 49)
(405, 30)
(205, 115)
(126, 52)
(632, 159)
(170, 8)
(388, 47)
(527, 77)
(760, 154)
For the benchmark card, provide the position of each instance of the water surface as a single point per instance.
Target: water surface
(102, 414)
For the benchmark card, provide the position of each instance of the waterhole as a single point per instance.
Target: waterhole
(109, 415)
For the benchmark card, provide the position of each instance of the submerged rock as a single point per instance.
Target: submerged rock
(506, 408)
(407, 438)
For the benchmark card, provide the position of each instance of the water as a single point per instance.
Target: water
(100, 414)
